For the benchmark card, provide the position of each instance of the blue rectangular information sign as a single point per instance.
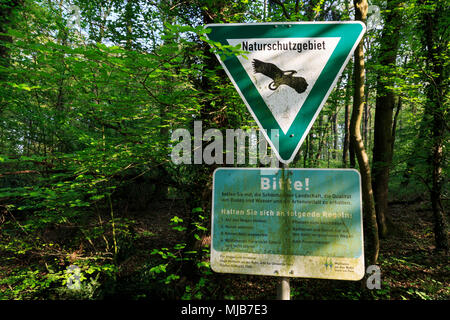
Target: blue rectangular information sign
(288, 222)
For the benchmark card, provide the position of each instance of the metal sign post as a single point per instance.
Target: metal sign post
(283, 285)
(283, 289)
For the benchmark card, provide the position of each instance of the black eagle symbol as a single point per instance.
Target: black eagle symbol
(279, 76)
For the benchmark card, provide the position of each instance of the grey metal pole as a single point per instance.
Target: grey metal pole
(283, 286)
(283, 289)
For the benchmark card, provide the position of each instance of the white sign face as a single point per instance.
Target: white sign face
(299, 60)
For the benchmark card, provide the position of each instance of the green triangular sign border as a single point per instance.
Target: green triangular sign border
(289, 143)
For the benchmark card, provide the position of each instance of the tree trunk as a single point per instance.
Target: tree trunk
(128, 20)
(395, 122)
(5, 22)
(306, 153)
(320, 138)
(435, 43)
(347, 120)
(351, 152)
(384, 106)
(365, 124)
(369, 215)
(334, 124)
(416, 151)
(335, 136)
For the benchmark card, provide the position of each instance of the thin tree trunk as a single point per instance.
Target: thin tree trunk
(365, 124)
(6, 18)
(334, 124)
(395, 122)
(435, 44)
(384, 106)
(416, 151)
(347, 120)
(129, 29)
(351, 152)
(369, 143)
(306, 154)
(335, 136)
(369, 215)
(321, 139)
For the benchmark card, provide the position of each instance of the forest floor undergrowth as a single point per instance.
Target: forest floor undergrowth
(147, 264)
(410, 266)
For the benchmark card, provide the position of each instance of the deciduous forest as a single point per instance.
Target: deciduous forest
(92, 205)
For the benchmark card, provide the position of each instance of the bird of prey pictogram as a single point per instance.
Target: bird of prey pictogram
(279, 76)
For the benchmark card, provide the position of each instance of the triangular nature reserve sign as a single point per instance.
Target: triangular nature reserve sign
(287, 72)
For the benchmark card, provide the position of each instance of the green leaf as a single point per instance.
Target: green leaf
(97, 197)
(176, 220)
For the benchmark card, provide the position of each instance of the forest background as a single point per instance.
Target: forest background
(91, 205)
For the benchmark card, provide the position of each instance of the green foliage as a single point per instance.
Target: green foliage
(86, 114)
(25, 283)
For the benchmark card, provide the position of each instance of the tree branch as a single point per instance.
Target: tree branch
(11, 173)
(281, 4)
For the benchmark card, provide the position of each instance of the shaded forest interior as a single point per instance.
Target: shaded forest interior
(91, 92)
